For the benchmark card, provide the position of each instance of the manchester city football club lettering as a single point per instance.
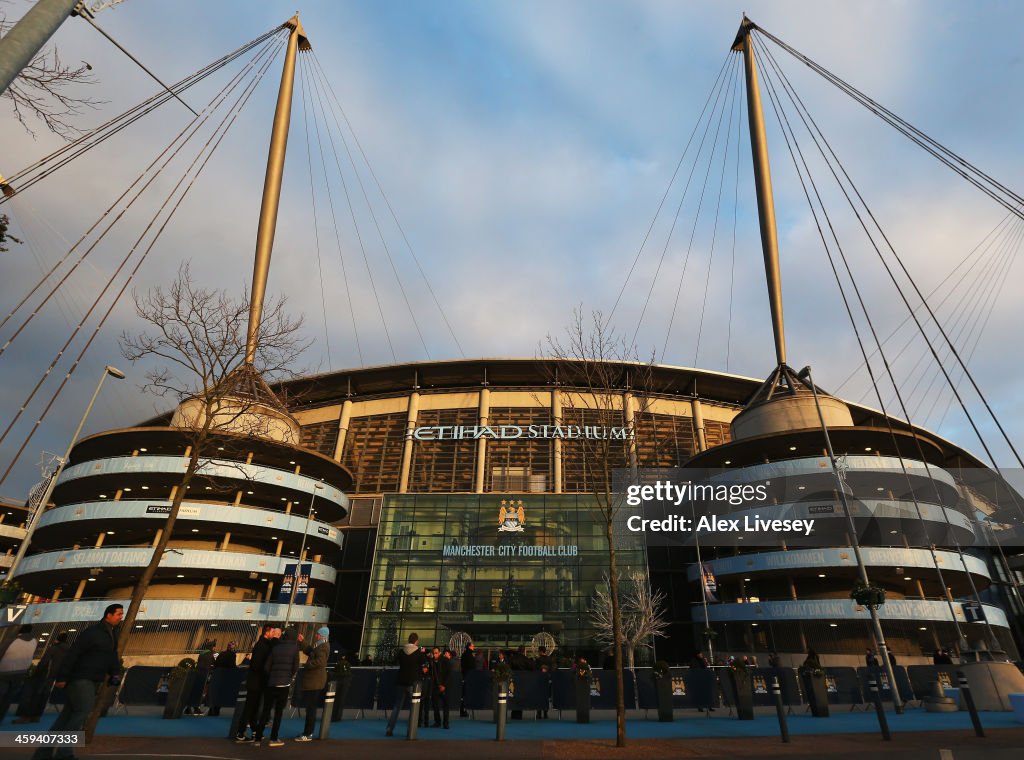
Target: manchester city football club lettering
(512, 432)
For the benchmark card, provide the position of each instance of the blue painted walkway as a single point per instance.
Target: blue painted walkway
(689, 725)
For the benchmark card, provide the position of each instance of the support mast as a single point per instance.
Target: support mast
(297, 40)
(763, 185)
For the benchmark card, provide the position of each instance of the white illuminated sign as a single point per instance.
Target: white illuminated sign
(511, 432)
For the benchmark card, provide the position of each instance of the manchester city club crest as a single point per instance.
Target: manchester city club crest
(511, 516)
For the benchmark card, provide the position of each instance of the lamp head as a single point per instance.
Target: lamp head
(114, 372)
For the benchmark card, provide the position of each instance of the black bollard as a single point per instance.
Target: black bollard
(325, 719)
(236, 714)
(414, 711)
(965, 695)
(502, 711)
(879, 709)
(780, 710)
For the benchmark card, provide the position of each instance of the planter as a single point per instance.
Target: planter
(339, 699)
(582, 700)
(816, 692)
(178, 692)
(663, 693)
(743, 687)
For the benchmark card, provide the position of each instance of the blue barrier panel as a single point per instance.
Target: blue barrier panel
(762, 686)
(843, 686)
(646, 694)
(884, 687)
(701, 687)
(921, 678)
(140, 684)
(387, 685)
(563, 689)
(225, 684)
(478, 691)
(362, 687)
(602, 690)
(529, 690)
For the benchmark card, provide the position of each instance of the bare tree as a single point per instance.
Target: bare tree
(46, 91)
(642, 616)
(197, 340)
(597, 371)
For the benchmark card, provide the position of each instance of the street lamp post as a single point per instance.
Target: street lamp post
(41, 506)
(883, 650)
(302, 549)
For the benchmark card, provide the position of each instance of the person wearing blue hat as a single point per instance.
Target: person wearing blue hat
(313, 678)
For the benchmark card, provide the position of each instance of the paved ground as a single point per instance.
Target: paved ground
(843, 736)
(1002, 744)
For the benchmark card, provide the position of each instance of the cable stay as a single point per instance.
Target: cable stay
(25, 178)
(863, 213)
(816, 205)
(152, 231)
(1003, 195)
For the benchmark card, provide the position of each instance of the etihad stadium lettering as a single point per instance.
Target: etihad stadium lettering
(511, 432)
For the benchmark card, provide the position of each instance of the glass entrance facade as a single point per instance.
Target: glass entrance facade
(501, 568)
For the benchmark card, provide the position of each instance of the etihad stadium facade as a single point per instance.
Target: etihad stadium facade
(457, 502)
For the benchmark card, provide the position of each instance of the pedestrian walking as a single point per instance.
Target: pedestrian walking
(91, 660)
(256, 682)
(15, 660)
(468, 665)
(313, 679)
(440, 670)
(410, 668)
(281, 666)
(40, 683)
(204, 664)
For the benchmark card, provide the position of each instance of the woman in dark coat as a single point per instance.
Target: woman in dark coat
(221, 679)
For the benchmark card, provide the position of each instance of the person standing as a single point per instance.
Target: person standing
(468, 665)
(256, 681)
(91, 660)
(223, 667)
(282, 664)
(545, 664)
(410, 669)
(870, 660)
(15, 660)
(40, 683)
(204, 664)
(426, 686)
(313, 679)
(440, 670)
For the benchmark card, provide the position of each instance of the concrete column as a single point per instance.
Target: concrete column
(277, 551)
(267, 593)
(288, 508)
(310, 592)
(343, 424)
(556, 418)
(629, 413)
(156, 538)
(698, 423)
(224, 544)
(211, 588)
(481, 445)
(238, 498)
(248, 458)
(81, 589)
(55, 595)
(410, 425)
(99, 540)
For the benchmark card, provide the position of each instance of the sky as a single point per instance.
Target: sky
(524, 148)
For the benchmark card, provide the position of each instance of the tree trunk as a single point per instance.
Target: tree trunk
(139, 593)
(613, 587)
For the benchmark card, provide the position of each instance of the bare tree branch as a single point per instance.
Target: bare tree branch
(46, 91)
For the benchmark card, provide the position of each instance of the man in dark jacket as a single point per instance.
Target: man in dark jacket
(40, 683)
(545, 664)
(426, 686)
(468, 664)
(313, 679)
(410, 670)
(220, 677)
(256, 681)
(91, 660)
(440, 670)
(281, 667)
(15, 661)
